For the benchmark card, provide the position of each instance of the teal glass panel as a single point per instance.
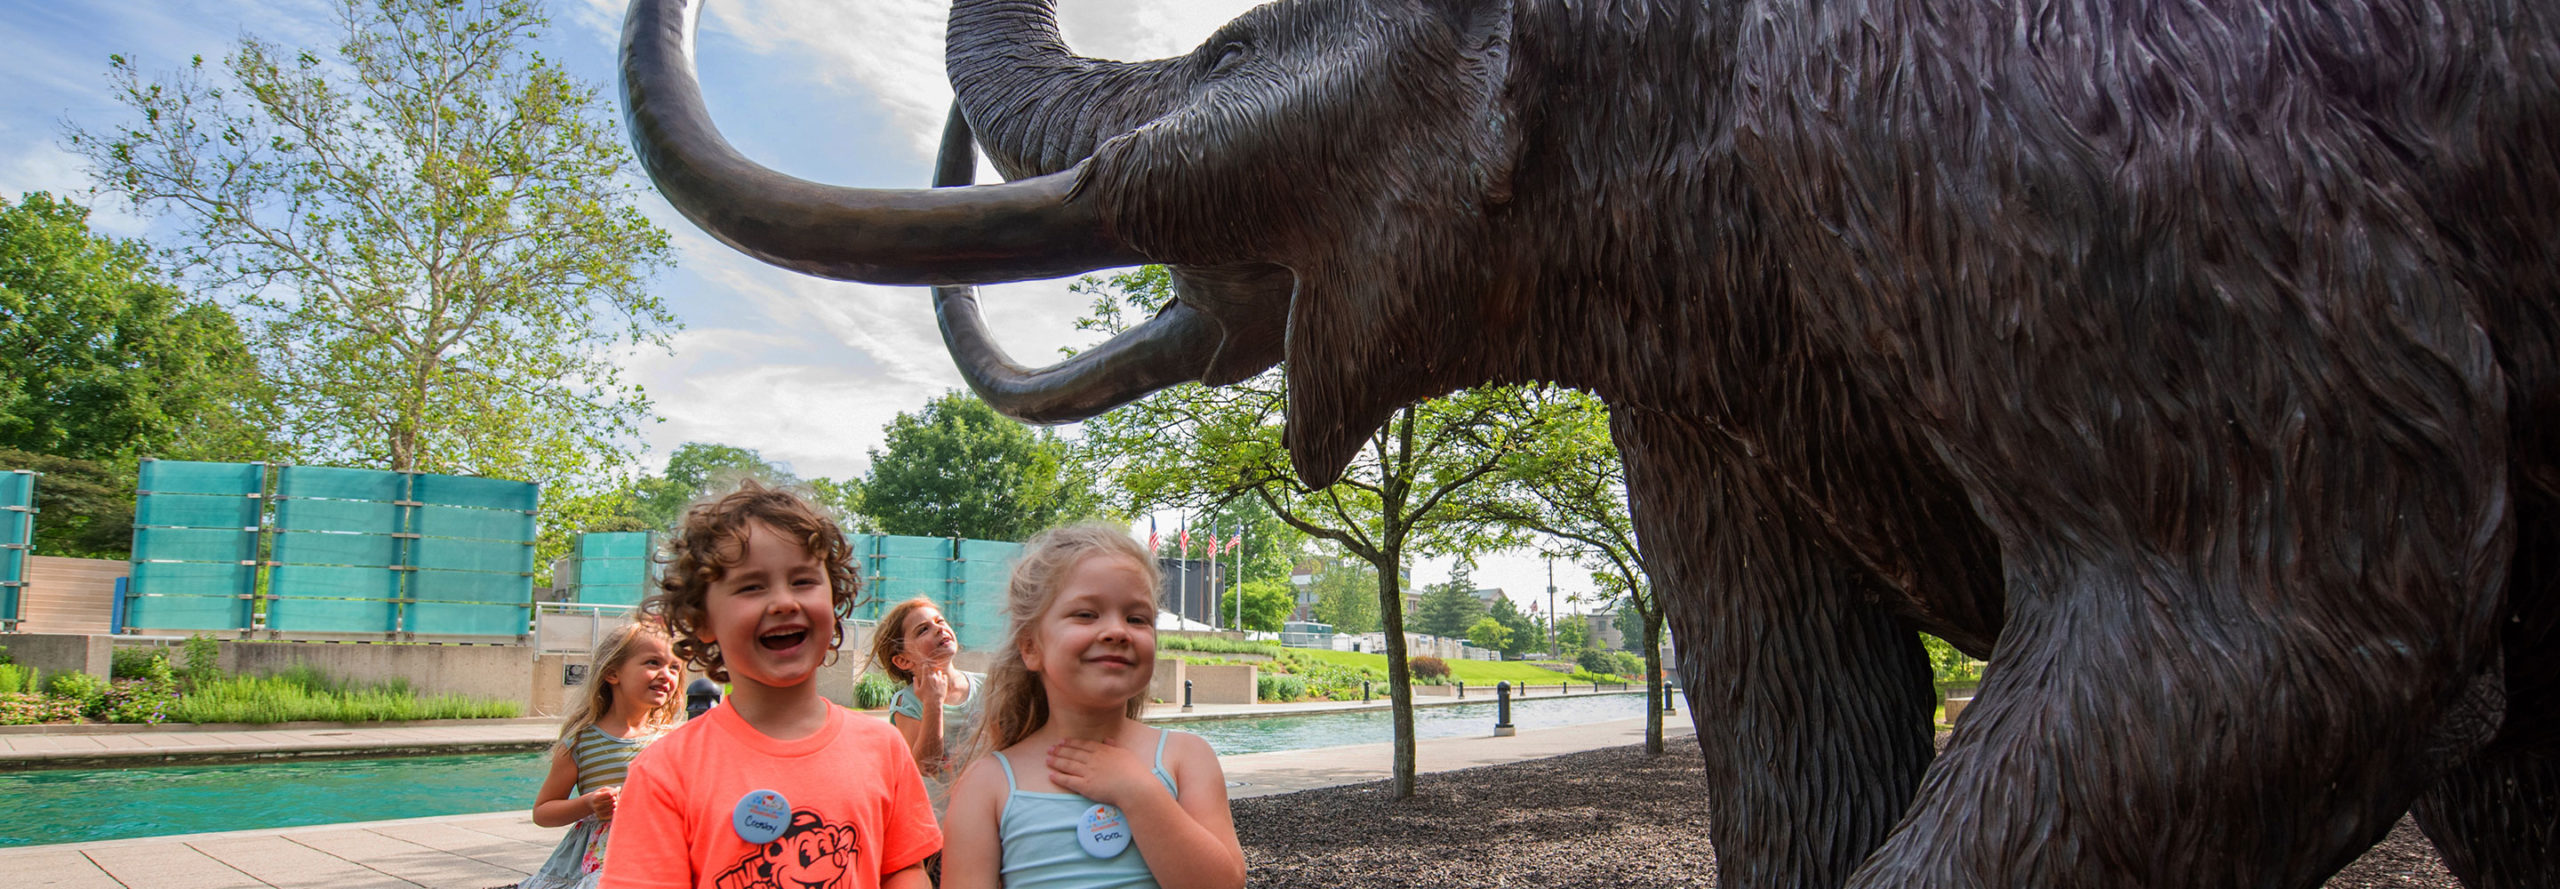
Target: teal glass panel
(449, 619)
(486, 493)
(592, 572)
(154, 579)
(356, 516)
(482, 524)
(332, 582)
(978, 614)
(470, 586)
(474, 555)
(9, 600)
(613, 545)
(193, 545)
(188, 477)
(329, 616)
(13, 564)
(186, 613)
(15, 526)
(338, 483)
(318, 548)
(17, 488)
(196, 511)
(611, 593)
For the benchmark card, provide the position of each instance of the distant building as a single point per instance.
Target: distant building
(1604, 630)
(1190, 589)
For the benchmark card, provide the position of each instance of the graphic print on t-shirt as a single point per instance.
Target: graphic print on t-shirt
(810, 854)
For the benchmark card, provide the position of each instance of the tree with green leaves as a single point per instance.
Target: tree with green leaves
(1521, 631)
(433, 232)
(1489, 634)
(1193, 445)
(1267, 603)
(102, 360)
(959, 469)
(1346, 596)
(1448, 609)
(1573, 636)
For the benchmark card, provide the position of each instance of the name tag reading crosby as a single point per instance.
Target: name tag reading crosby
(1102, 831)
(760, 816)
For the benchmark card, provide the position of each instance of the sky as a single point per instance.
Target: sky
(805, 371)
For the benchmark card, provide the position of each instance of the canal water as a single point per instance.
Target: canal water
(79, 805)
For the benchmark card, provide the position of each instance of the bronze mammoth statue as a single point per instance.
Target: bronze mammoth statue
(2197, 363)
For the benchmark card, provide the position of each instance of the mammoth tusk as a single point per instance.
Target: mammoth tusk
(1012, 232)
(1173, 347)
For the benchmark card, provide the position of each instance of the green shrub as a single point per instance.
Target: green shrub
(4, 656)
(1217, 645)
(1428, 668)
(149, 664)
(304, 694)
(15, 679)
(1340, 682)
(1629, 663)
(34, 709)
(1586, 677)
(88, 691)
(145, 701)
(1278, 688)
(204, 661)
(873, 691)
(1593, 660)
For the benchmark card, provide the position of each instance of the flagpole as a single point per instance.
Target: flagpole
(1237, 582)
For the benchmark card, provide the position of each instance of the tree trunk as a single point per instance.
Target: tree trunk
(1655, 690)
(1399, 674)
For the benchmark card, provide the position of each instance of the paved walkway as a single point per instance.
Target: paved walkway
(480, 851)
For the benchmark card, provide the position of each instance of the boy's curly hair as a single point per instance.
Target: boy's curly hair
(712, 536)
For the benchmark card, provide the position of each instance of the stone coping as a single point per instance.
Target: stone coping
(125, 728)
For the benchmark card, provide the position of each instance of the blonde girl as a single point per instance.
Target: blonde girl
(939, 702)
(1068, 787)
(630, 699)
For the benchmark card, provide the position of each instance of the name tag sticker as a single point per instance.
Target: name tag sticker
(760, 816)
(1102, 831)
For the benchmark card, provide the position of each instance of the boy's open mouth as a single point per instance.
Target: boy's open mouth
(782, 640)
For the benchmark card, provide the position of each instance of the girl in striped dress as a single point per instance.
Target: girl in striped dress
(631, 699)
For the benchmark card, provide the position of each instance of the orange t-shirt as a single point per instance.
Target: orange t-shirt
(858, 808)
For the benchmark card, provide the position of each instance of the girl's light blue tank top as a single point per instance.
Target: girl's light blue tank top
(1038, 831)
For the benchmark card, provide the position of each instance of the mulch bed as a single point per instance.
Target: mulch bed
(1606, 818)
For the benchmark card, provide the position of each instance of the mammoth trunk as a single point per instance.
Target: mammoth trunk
(1036, 106)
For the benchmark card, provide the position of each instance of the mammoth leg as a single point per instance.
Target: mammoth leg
(1812, 701)
(2496, 817)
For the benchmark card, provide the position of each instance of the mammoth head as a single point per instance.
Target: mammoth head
(1317, 175)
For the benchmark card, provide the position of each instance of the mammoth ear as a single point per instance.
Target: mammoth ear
(1483, 30)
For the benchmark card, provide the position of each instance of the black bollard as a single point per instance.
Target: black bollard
(1502, 709)
(1364, 691)
(1186, 696)
(1462, 690)
(1666, 699)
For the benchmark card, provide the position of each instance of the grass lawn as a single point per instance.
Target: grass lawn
(1484, 673)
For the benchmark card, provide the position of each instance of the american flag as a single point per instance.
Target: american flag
(1151, 535)
(1186, 540)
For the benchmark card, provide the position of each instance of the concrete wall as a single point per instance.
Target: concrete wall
(1219, 684)
(481, 671)
(1167, 684)
(58, 652)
